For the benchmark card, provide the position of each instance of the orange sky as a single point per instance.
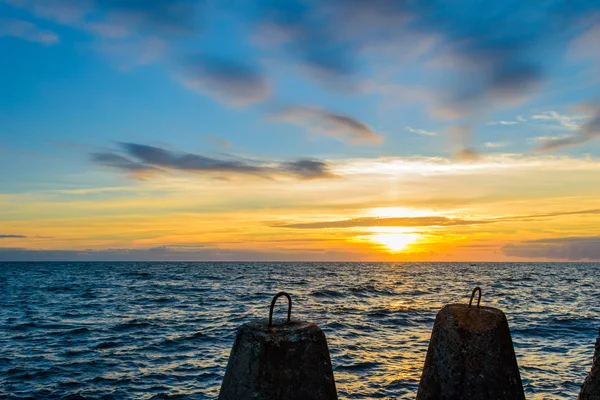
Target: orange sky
(420, 209)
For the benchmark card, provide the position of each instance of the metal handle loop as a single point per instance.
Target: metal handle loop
(473, 295)
(278, 295)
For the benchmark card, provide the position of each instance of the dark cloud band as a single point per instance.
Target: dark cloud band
(397, 222)
(567, 248)
(139, 160)
(427, 221)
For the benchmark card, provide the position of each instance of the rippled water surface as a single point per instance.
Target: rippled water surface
(156, 330)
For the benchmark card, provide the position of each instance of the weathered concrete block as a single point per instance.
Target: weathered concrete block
(470, 356)
(590, 390)
(283, 362)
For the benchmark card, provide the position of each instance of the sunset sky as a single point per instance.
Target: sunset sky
(297, 130)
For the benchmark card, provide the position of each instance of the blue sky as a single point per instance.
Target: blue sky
(100, 94)
(65, 81)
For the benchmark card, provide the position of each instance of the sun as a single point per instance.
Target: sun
(394, 242)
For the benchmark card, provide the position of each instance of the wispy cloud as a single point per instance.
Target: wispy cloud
(571, 122)
(581, 129)
(157, 17)
(340, 126)
(386, 167)
(62, 11)
(588, 131)
(428, 221)
(167, 17)
(550, 138)
(461, 136)
(594, 211)
(483, 69)
(142, 161)
(495, 145)
(12, 237)
(27, 31)
(420, 131)
(389, 222)
(130, 33)
(129, 54)
(219, 142)
(231, 81)
(584, 46)
(508, 123)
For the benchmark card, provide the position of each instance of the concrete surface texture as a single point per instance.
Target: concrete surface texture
(590, 390)
(470, 356)
(287, 361)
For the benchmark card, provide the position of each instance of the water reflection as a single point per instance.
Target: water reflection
(155, 328)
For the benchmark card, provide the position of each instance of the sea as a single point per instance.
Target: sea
(156, 330)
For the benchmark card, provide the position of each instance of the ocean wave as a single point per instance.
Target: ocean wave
(327, 293)
(132, 331)
(132, 324)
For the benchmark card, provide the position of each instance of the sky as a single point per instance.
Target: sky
(300, 130)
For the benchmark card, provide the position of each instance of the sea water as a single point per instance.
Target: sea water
(165, 330)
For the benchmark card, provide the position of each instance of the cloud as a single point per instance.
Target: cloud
(551, 138)
(567, 248)
(63, 11)
(551, 118)
(219, 142)
(12, 237)
(461, 136)
(27, 31)
(504, 123)
(495, 145)
(427, 221)
(478, 57)
(395, 222)
(420, 131)
(173, 253)
(123, 163)
(590, 130)
(306, 169)
(487, 57)
(296, 27)
(127, 54)
(143, 161)
(498, 54)
(329, 123)
(548, 215)
(467, 154)
(567, 121)
(162, 16)
(231, 81)
(156, 17)
(559, 144)
(584, 47)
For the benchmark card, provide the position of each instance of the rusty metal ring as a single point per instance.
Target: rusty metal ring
(278, 295)
(473, 295)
